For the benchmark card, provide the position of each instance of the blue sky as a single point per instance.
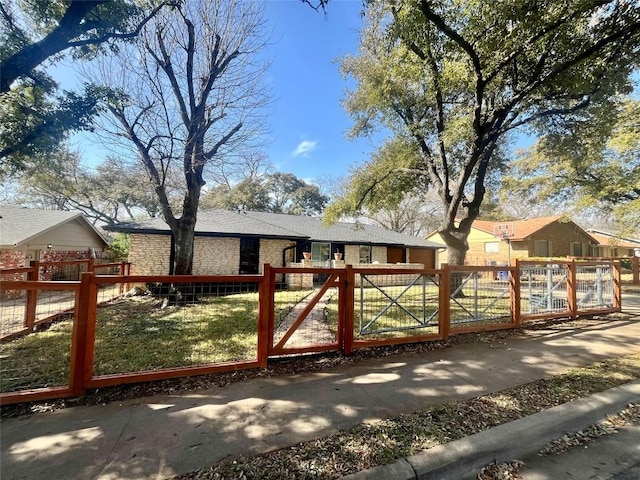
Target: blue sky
(308, 122)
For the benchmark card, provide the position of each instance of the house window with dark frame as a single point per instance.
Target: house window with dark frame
(365, 254)
(576, 249)
(249, 256)
(542, 248)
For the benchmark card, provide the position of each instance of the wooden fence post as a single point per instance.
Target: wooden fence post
(123, 270)
(514, 285)
(264, 306)
(445, 301)
(617, 285)
(32, 296)
(348, 310)
(91, 265)
(635, 267)
(572, 289)
(81, 342)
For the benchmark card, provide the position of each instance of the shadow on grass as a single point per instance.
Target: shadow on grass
(136, 335)
(38, 360)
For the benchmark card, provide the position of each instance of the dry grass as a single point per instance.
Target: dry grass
(368, 445)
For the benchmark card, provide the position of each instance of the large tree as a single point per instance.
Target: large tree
(190, 102)
(596, 162)
(272, 192)
(35, 117)
(454, 79)
(114, 191)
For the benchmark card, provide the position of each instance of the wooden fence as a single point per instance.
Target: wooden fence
(34, 307)
(210, 324)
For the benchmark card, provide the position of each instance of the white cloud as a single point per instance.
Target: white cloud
(304, 148)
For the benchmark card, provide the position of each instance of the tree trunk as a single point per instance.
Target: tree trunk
(457, 246)
(183, 245)
(183, 236)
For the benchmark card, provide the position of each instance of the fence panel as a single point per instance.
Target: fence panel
(395, 306)
(180, 325)
(306, 310)
(38, 362)
(480, 298)
(543, 290)
(13, 318)
(594, 286)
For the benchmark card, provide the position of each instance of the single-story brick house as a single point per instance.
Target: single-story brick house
(541, 237)
(612, 245)
(240, 242)
(32, 234)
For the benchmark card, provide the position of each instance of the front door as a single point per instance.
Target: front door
(249, 256)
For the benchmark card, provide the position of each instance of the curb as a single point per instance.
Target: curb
(464, 458)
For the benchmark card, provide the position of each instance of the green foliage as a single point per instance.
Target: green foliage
(595, 162)
(35, 122)
(381, 183)
(119, 247)
(35, 118)
(457, 78)
(277, 192)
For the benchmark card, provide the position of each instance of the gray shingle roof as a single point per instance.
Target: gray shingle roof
(276, 225)
(19, 224)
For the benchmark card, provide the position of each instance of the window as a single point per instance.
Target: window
(491, 247)
(249, 255)
(542, 248)
(576, 249)
(365, 253)
(320, 252)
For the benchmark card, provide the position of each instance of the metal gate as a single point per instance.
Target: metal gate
(544, 288)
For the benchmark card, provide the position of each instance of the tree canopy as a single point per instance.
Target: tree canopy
(35, 117)
(193, 102)
(113, 192)
(275, 192)
(453, 80)
(595, 162)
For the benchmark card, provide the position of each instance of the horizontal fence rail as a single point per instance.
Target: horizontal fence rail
(58, 338)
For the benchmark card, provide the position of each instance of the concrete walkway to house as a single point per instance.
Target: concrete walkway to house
(314, 329)
(158, 437)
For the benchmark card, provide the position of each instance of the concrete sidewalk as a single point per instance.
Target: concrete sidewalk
(158, 437)
(522, 439)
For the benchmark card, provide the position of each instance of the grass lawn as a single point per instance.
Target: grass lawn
(135, 335)
(401, 311)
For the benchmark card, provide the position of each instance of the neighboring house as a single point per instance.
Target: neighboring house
(612, 245)
(240, 242)
(499, 243)
(29, 234)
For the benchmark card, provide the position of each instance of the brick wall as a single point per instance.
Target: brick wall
(149, 254)
(378, 254)
(476, 255)
(12, 259)
(351, 254)
(216, 256)
(561, 236)
(271, 251)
